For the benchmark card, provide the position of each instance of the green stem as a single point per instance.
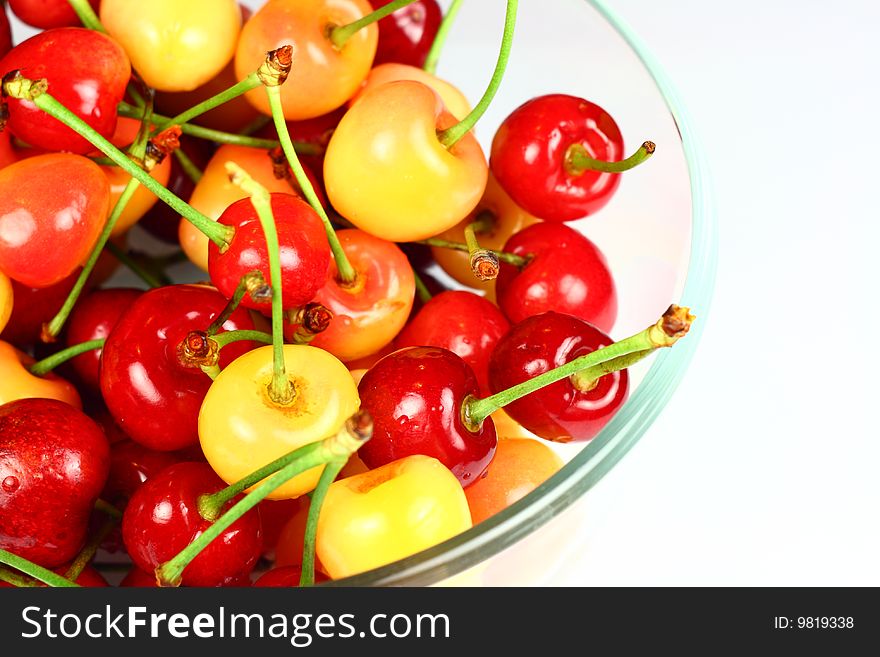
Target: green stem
(138, 149)
(228, 337)
(347, 274)
(48, 364)
(674, 324)
(442, 35)
(108, 509)
(578, 160)
(189, 167)
(250, 282)
(588, 378)
(485, 265)
(53, 328)
(147, 277)
(356, 432)
(328, 476)
(421, 289)
(87, 15)
(35, 571)
(342, 33)
(238, 89)
(450, 136)
(281, 390)
(89, 550)
(503, 256)
(25, 89)
(17, 580)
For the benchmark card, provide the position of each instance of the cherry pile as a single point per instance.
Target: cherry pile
(324, 403)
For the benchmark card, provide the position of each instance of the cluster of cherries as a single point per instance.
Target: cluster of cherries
(314, 404)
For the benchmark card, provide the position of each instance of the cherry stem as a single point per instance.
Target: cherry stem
(138, 149)
(238, 89)
(672, 326)
(328, 476)
(451, 135)
(503, 256)
(48, 364)
(228, 337)
(24, 89)
(310, 320)
(421, 289)
(253, 283)
(87, 15)
(281, 390)
(346, 272)
(340, 34)
(146, 276)
(89, 550)
(337, 448)
(587, 379)
(485, 265)
(14, 578)
(53, 328)
(578, 160)
(35, 571)
(108, 509)
(189, 167)
(442, 35)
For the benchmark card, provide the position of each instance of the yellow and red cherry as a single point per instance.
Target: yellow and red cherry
(241, 428)
(18, 383)
(385, 165)
(370, 313)
(331, 75)
(305, 253)
(7, 300)
(86, 71)
(214, 193)
(151, 388)
(567, 273)
(406, 36)
(163, 517)
(53, 464)
(462, 322)
(46, 14)
(563, 411)
(175, 46)
(52, 209)
(454, 100)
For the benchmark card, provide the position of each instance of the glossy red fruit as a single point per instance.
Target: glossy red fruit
(151, 391)
(52, 209)
(558, 412)
(137, 578)
(131, 464)
(406, 35)
(46, 14)
(286, 576)
(415, 397)
(162, 518)
(93, 318)
(32, 306)
(462, 322)
(305, 253)
(53, 464)
(5, 33)
(567, 273)
(87, 72)
(529, 156)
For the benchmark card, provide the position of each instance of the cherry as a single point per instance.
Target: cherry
(415, 397)
(462, 322)
(5, 33)
(90, 83)
(561, 411)
(152, 390)
(162, 518)
(305, 254)
(567, 273)
(46, 14)
(53, 464)
(32, 307)
(406, 36)
(18, 382)
(137, 578)
(274, 515)
(545, 155)
(453, 99)
(286, 576)
(93, 318)
(132, 464)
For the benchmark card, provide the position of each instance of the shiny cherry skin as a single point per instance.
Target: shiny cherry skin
(151, 392)
(567, 273)
(529, 156)
(17, 381)
(305, 253)
(90, 84)
(31, 307)
(462, 322)
(406, 36)
(558, 412)
(93, 318)
(368, 314)
(454, 100)
(53, 464)
(415, 396)
(46, 14)
(162, 518)
(52, 209)
(286, 576)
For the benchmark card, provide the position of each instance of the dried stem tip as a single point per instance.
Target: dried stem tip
(274, 71)
(485, 264)
(358, 429)
(17, 86)
(161, 146)
(675, 324)
(198, 350)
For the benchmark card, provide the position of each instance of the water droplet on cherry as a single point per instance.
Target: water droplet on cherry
(10, 484)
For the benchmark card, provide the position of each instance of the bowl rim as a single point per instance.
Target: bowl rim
(596, 459)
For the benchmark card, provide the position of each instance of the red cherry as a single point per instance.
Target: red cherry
(152, 393)
(131, 464)
(53, 464)
(31, 307)
(93, 318)
(415, 397)
(567, 274)
(46, 14)
(274, 515)
(286, 576)
(407, 35)
(462, 322)
(559, 411)
(305, 253)
(137, 578)
(5, 33)
(529, 156)
(162, 518)
(87, 72)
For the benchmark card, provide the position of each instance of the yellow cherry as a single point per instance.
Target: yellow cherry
(453, 99)
(18, 383)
